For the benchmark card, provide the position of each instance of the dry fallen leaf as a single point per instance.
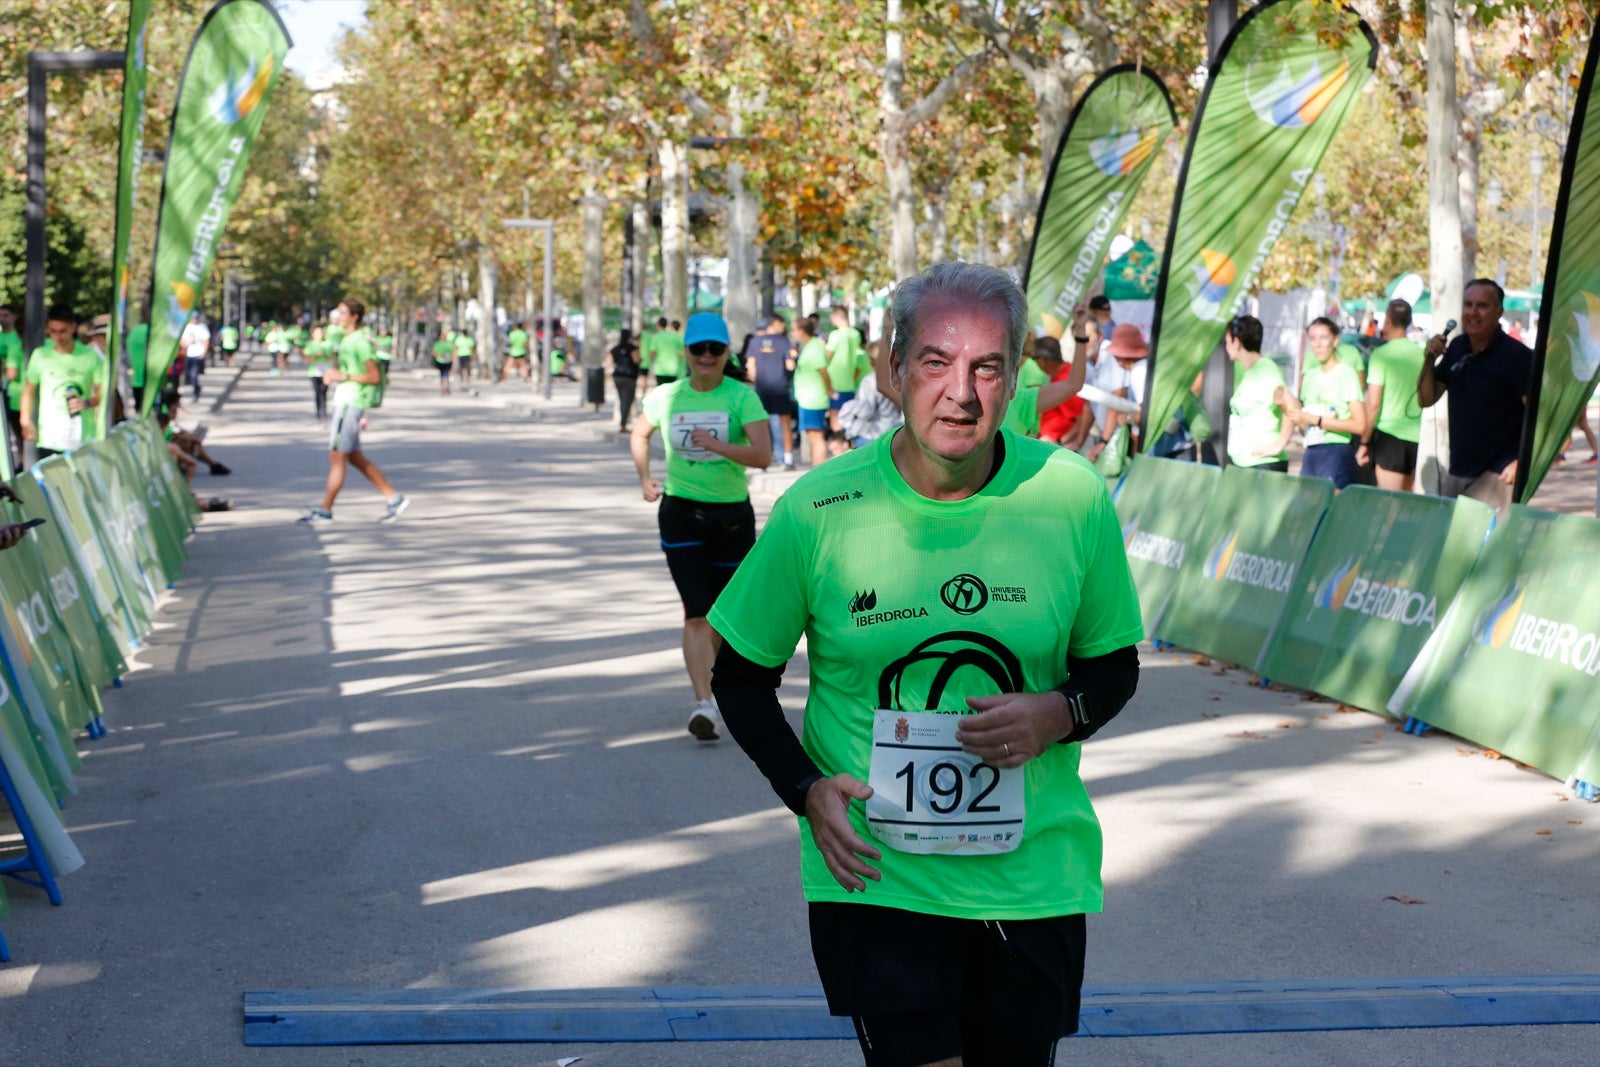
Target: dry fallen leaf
(1322, 716)
(1291, 725)
(1490, 753)
(1214, 696)
(1250, 735)
(1574, 822)
(1202, 661)
(1401, 898)
(1346, 709)
(1219, 670)
(1211, 714)
(1545, 832)
(1276, 688)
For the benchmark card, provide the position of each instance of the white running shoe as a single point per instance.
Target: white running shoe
(705, 722)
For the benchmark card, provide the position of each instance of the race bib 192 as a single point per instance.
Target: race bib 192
(685, 423)
(930, 797)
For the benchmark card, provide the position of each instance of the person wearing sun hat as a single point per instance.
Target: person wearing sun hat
(713, 427)
(1127, 377)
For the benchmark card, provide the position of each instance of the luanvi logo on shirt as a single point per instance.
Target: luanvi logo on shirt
(965, 594)
(865, 600)
(838, 498)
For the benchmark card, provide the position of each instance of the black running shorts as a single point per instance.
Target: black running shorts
(923, 988)
(704, 544)
(1392, 453)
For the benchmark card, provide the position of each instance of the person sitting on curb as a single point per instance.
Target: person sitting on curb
(187, 451)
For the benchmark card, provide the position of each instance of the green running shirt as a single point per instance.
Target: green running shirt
(912, 604)
(676, 409)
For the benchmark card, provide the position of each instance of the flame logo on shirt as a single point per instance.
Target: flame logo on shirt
(1498, 624)
(1217, 563)
(179, 304)
(1292, 105)
(1331, 593)
(1119, 153)
(1210, 287)
(237, 96)
(1585, 342)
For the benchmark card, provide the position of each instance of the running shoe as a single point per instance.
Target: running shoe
(317, 517)
(705, 722)
(394, 509)
(221, 469)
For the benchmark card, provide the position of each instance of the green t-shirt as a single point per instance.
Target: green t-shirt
(277, 341)
(465, 345)
(11, 360)
(442, 351)
(138, 352)
(1022, 414)
(319, 357)
(1396, 365)
(911, 604)
(517, 344)
(385, 346)
(847, 359)
(333, 335)
(59, 376)
(354, 353)
(229, 336)
(667, 353)
(676, 409)
(1351, 356)
(1030, 374)
(810, 391)
(1255, 421)
(1329, 392)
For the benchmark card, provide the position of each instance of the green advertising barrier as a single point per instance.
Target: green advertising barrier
(1378, 576)
(121, 506)
(99, 562)
(19, 752)
(93, 616)
(1513, 666)
(1252, 540)
(169, 524)
(1160, 503)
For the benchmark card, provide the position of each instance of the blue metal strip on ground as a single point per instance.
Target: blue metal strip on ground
(431, 1016)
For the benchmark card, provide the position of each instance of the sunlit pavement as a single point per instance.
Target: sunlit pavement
(450, 753)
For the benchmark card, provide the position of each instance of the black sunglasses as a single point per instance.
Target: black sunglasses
(704, 348)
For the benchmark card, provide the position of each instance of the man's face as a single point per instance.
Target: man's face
(953, 380)
(1480, 311)
(7, 319)
(62, 334)
(1101, 315)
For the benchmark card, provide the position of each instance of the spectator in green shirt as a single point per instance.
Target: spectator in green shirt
(11, 360)
(517, 354)
(1331, 409)
(1258, 433)
(1396, 422)
(811, 387)
(847, 365)
(60, 388)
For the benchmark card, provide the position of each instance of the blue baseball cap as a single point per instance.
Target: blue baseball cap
(705, 326)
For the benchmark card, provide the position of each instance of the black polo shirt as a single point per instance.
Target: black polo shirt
(1485, 391)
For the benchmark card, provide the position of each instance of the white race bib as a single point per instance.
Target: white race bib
(685, 423)
(929, 796)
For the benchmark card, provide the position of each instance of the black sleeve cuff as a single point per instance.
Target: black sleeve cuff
(747, 696)
(1103, 686)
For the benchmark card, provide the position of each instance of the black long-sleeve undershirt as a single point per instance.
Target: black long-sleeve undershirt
(747, 694)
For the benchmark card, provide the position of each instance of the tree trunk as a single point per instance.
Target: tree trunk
(743, 296)
(1445, 251)
(488, 285)
(938, 228)
(1444, 172)
(595, 341)
(674, 158)
(1470, 147)
(641, 256)
(1053, 105)
(894, 146)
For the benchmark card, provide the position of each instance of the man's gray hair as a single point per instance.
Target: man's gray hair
(972, 282)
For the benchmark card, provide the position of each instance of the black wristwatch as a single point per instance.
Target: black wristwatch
(1080, 340)
(1080, 712)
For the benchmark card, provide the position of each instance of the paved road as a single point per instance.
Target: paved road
(449, 753)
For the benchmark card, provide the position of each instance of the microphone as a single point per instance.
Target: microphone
(1449, 327)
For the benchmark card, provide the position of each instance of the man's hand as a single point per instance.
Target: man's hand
(1361, 455)
(704, 438)
(10, 535)
(828, 812)
(330, 377)
(651, 490)
(1013, 728)
(75, 405)
(29, 432)
(1436, 346)
(1509, 475)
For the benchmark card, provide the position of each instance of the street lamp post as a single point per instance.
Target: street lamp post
(547, 335)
